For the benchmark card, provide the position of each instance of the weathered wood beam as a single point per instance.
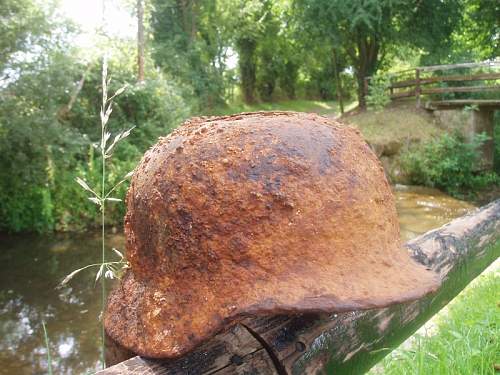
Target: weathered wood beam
(432, 68)
(232, 352)
(442, 90)
(489, 64)
(347, 343)
(449, 78)
(460, 103)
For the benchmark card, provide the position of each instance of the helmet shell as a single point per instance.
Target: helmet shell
(256, 213)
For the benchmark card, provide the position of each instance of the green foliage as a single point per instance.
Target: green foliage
(190, 45)
(364, 30)
(42, 151)
(449, 163)
(429, 25)
(359, 29)
(475, 35)
(284, 50)
(23, 25)
(378, 94)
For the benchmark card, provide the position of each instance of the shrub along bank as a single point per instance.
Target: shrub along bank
(43, 151)
(417, 148)
(44, 148)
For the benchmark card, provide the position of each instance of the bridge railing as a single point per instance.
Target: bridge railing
(415, 82)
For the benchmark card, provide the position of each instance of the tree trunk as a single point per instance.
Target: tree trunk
(338, 83)
(365, 63)
(140, 41)
(63, 112)
(246, 50)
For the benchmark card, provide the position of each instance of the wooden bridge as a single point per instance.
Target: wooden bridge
(435, 89)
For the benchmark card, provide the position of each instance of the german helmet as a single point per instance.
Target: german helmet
(252, 214)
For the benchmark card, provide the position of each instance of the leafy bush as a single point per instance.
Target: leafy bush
(378, 97)
(449, 163)
(42, 153)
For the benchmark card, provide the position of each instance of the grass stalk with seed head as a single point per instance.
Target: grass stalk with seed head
(105, 269)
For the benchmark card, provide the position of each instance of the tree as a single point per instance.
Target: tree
(245, 22)
(278, 54)
(429, 26)
(363, 30)
(477, 37)
(358, 28)
(190, 45)
(23, 25)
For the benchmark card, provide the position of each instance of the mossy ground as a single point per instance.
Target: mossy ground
(399, 121)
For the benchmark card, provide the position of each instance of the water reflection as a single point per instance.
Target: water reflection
(421, 209)
(32, 266)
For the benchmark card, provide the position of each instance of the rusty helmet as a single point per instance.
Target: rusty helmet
(256, 213)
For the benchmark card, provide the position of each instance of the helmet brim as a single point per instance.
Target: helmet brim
(158, 322)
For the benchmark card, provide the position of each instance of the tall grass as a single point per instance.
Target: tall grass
(466, 339)
(101, 196)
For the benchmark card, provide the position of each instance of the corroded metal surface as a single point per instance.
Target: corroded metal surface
(258, 213)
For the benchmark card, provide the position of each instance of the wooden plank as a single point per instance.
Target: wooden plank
(347, 343)
(441, 90)
(450, 78)
(432, 68)
(406, 83)
(460, 103)
(258, 362)
(350, 343)
(489, 64)
(463, 77)
(236, 348)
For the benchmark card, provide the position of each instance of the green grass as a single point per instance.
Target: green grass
(467, 338)
(399, 121)
(300, 105)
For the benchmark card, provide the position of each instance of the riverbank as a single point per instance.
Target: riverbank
(400, 135)
(416, 146)
(71, 312)
(61, 205)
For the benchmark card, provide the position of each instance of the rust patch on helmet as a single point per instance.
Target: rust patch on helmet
(258, 213)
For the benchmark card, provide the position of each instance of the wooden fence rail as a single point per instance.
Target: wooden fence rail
(416, 86)
(346, 343)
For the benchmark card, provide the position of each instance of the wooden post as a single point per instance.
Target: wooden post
(346, 343)
(417, 86)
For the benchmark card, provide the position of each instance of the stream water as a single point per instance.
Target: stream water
(32, 266)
